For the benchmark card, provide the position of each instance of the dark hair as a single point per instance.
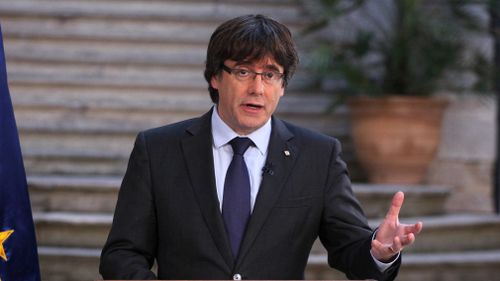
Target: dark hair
(250, 37)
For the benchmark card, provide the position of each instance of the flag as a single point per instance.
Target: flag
(18, 249)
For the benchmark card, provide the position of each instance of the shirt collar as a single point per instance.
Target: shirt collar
(222, 133)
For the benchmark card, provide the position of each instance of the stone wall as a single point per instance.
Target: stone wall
(467, 153)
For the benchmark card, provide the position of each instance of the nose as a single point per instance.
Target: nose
(256, 85)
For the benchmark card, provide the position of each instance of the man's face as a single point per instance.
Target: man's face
(246, 105)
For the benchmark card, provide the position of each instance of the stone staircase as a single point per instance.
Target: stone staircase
(85, 76)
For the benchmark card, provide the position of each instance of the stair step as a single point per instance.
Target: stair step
(115, 30)
(478, 265)
(111, 122)
(105, 145)
(131, 76)
(91, 194)
(420, 200)
(456, 266)
(111, 98)
(69, 264)
(193, 11)
(82, 163)
(449, 233)
(458, 232)
(105, 52)
(64, 229)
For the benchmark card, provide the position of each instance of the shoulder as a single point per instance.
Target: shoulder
(170, 135)
(170, 130)
(179, 129)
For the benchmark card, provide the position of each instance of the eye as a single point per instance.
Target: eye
(269, 75)
(242, 73)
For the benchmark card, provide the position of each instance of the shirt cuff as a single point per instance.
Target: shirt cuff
(383, 266)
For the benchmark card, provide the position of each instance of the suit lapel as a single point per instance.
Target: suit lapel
(282, 154)
(197, 149)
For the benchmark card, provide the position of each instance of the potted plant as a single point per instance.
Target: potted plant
(390, 66)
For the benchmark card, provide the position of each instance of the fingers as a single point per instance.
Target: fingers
(398, 244)
(408, 237)
(383, 252)
(397, 202)
(414, 228)
(379, 246)
(418, 227)
(404, 241)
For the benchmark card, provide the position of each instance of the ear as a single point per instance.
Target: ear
(214, 82)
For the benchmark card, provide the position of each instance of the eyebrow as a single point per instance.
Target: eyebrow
(272, 67)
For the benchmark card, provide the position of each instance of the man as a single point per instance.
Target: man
(239, 194)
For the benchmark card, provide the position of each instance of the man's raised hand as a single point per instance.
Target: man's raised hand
(392, 237)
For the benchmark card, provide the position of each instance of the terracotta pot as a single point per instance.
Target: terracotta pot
(396, 138)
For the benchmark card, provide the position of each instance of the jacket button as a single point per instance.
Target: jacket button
(237, 277)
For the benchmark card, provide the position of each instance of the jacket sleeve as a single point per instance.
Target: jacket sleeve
(130, 249)
(344, 230)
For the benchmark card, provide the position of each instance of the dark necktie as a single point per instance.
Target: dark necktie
(236, 201)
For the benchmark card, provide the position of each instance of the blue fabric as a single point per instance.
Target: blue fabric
(15, 210)
(236, 202)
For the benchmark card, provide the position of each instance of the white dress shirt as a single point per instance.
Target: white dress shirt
(255, 156)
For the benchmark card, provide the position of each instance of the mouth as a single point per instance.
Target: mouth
(253, 106)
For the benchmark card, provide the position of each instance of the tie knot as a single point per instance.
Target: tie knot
(240, 145)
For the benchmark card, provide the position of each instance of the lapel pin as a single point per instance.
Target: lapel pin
(287, 152)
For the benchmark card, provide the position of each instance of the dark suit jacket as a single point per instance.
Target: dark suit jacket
(168, 210)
